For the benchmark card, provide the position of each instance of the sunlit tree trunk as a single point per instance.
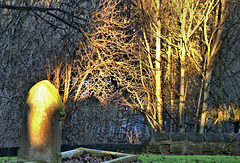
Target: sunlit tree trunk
(182, 88)
(158, 79)
(182, 91)
(159, 110)
(67, 85)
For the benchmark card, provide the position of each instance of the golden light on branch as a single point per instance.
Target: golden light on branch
(43, 100)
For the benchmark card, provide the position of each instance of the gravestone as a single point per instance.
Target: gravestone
(42, 125)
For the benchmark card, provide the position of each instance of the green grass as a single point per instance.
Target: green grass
(151, 158)
(188, 158)
(8, 159)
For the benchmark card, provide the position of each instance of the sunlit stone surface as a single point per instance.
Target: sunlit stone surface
(41, 133)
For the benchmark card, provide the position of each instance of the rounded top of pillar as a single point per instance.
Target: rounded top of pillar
(44, 93)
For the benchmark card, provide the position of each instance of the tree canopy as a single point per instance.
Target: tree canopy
(173, 61)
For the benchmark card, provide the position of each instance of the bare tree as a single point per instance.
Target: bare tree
(156, 56)
(213, 42)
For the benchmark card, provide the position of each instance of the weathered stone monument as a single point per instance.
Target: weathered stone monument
(42, 125)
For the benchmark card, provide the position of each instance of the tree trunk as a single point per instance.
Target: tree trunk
(182, 91)
(205, 99)
(170, 78)
(220, 108)
(159, 82)
(158, 79)
(67, 85)
(211, 54)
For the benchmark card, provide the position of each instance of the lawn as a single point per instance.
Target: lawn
(8, 159)
(151, 158)
(188, 158)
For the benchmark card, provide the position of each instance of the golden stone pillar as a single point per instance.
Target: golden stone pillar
(42, 124)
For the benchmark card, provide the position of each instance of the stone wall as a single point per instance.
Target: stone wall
(189, 144)
(165, 143)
